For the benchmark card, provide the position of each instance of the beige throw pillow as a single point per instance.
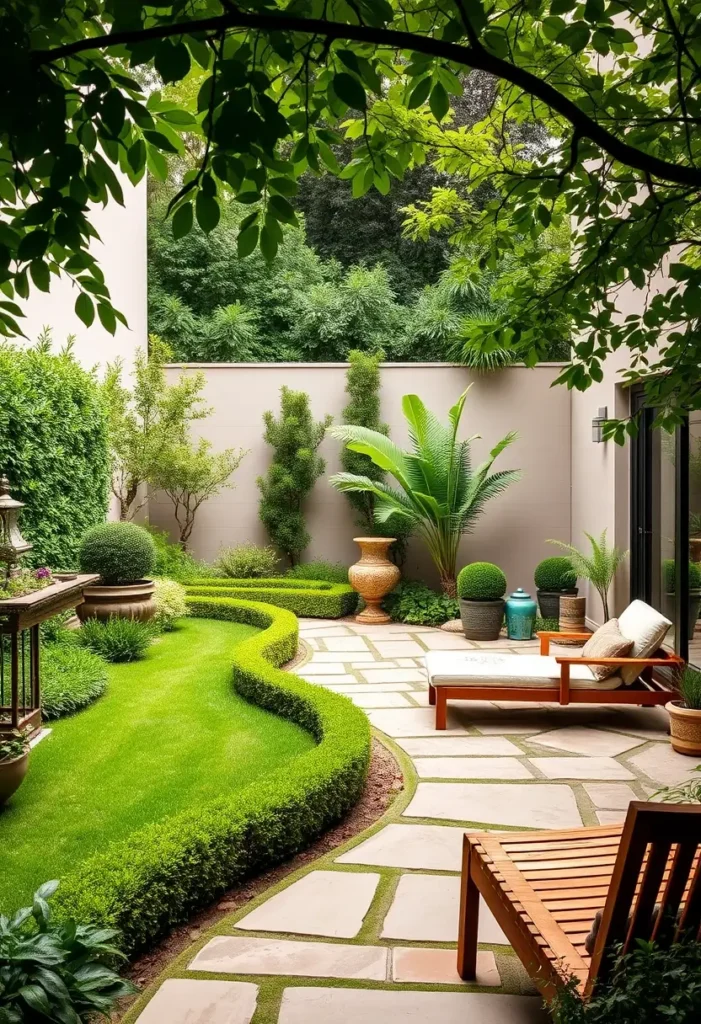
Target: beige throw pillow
(607, 642)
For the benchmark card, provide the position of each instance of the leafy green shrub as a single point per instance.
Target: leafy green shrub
(669, 570)
(546, 625)
(247, 561)
(690, 688)
(71, 678)
(169, 598)
(53, 447)
(556, 573)
(481, 581)
(116, 639)
(157, 877)
(646, 986)
(418, 604)
(119, 552)
(174, 562)
(56, 972)
(12, 746)
(53, 630)
(314, 599)
(328, 572)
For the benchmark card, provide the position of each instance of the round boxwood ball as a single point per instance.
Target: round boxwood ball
(669, 569)
(481, 581)
(555, 573)
(120, 552)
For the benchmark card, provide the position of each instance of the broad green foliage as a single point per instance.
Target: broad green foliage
(440, 496)
(599, 567)
(116, 639)
(247, 561)
(320, 599)
(556, 573)
(417, 604)
(71, 678)
(173, 561)
(53, 448)
(119, 552)
(481, 581)
(296, 465)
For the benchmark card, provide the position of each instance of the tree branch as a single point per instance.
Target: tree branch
(473, 56)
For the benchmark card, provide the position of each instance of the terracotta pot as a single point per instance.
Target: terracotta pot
(126, 601)
(685, 729)
(482, 620)
(373, 576)
(549, 601)
(12, 775)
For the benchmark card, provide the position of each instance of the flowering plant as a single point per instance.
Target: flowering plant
(26, 581)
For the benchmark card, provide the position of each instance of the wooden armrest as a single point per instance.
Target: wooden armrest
(545, 638)
(651, 662)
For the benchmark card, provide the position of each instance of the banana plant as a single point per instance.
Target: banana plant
(439, 496)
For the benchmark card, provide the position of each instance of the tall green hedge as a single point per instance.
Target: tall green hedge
(53, 448)
(154, 880)
(315, 599)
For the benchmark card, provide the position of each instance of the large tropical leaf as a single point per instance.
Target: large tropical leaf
(378, 447)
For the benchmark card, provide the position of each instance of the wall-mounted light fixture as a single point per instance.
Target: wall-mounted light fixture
(597, 425)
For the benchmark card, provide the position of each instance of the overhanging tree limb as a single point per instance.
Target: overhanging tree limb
(472, 56)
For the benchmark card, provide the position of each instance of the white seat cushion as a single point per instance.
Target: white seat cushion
(458, 668)
(646, 627)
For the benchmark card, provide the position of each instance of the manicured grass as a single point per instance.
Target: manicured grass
(169, 734)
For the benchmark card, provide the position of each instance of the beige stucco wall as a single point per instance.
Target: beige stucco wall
(513, 531)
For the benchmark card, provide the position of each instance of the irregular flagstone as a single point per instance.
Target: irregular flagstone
(610, 797)
(330, 903)
(346, 643)
(320, 668)
(438, 967)
(541, 805)
(581, 768)
(190, 1001)
(441, 641)
(342, 657)
(367, 1006)
(433, 847)
(398, 648)
(377, 688)
(664, 765)
(414, 722)
(611, 817)
(577, 739)
(379, 700)
(647, 723)
(334, 681)
(425, 909)
(322, 631)
(476, 768)
(392, 675)
(232, 954)
(376, 665)
(459, 746)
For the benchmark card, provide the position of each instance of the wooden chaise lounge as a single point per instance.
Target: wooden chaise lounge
(545, 888)
(490, 675)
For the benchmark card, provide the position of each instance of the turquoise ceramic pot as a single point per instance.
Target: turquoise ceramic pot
(521, 611)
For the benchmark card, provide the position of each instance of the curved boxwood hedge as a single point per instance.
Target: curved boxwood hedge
(311, 598)
(154, 880)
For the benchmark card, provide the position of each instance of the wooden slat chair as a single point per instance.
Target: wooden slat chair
(545, 888)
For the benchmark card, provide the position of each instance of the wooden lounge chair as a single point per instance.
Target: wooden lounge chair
(545, 888)
(489, 675)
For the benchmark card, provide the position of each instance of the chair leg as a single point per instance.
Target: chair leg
(469, 919)
(441, 709)
(431, 695)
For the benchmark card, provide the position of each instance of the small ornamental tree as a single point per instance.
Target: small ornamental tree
(363, 410)
(296, 465)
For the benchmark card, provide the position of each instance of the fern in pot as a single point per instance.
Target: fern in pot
(481, 589)
(125, 556)
(685, 714)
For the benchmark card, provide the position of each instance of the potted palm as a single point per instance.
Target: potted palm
(124, 555)
(14, 761)
(599, 567)
(669, 572)
(553, 577)
(685, 714)
(481, 589)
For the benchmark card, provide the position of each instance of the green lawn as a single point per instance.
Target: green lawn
(170, 732)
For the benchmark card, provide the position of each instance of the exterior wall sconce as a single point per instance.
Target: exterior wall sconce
(597, 425)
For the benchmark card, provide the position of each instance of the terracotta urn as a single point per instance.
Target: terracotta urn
(685, 728)
(126, 601)
(373, 576)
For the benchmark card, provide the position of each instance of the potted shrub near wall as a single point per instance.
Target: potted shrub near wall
(553, 577)
(685, 714)
(124, 555)
(481, 589)
(14, 760)
(669, 572)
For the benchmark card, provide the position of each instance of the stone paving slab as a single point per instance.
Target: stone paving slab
(320, 668)
(414, 722)
(344, 657)
(611, 817)
(393, 675)
(460, 746)
(440, 641)
(190, 1001)
(544, 805)
(398, 648)
(475, 768)
(664, 765)
(231, 954)
(379, 700)
(329, 903)
(366, 1006)
(576, 739)
(425, 909)
(346, 643)
(581, 768)
(433, 847)
(610, 797)
(438, 967)
(369, 688)
(325, 680)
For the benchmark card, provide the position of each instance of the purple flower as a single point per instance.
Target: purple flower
(43, 573)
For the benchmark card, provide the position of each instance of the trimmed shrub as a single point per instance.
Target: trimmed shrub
(313, 599)
(53, 447)
(153, 881)
(71, 678)
(418, 604)
(174, 562)
(669, 571)
(328, 572)
(247, 561)
(555, 573)
(117, 639)
(53, 630)
(120, 552)
(169, 598)
(481, 581)
(546, 625)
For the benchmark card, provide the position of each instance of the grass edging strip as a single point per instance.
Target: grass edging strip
(155, 879)
(315, 599)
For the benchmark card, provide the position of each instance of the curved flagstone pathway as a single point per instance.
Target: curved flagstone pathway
(369, 932)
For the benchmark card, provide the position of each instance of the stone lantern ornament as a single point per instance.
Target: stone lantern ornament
(12, 543)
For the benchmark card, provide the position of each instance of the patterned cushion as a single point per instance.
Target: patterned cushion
(646, 628)
(607, 642)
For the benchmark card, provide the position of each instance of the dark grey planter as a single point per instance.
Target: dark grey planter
(482, 620)
(549, 601)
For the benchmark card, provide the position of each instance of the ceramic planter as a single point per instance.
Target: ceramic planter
(685, 729)
(126, 601)
(12, 775)
(481, 620)
(549, 601)
(373, 577)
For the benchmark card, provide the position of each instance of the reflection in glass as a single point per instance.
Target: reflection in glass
(694, 538)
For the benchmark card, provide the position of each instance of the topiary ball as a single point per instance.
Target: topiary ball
(556, 573)
(119, 552)
(669, 571)
(481, 581)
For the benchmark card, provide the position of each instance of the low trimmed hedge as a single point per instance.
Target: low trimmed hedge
(314, 599)
(147, 884)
